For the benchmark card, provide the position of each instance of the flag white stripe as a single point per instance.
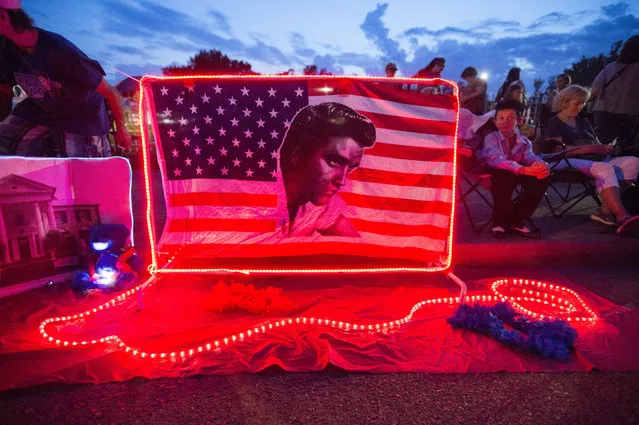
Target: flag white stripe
(369, 214)
(204, 211)
(407, 138)
(387, 107)
(407, 166)
(397, 192)
(397, 217)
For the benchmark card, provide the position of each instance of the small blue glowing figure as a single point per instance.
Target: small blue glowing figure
(112, 266)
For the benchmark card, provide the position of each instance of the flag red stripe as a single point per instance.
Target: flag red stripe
(395, 204)
(414, 153)
(412, 125)
(387, 92)
(221, 225)
(190, 254)
(395, 229)
(222, 199)
(401, 179)
(381, 92)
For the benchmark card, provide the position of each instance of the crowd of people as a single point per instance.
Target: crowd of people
(65, 98)
(504, 148)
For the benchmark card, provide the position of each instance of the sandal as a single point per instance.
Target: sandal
(628, 225)
(602, 218)
(525, 232)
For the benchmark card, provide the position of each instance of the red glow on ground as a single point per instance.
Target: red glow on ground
(541, 300)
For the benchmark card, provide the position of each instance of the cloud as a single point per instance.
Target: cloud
(540, 55)
(493, 45)
(375, 31)
(549, 19)
(523, 64)
(484, 30)
(136, 70)
(266, 53)
(418, 31)
(129, 50)
(221, 21)
(298, 42)
(615, 10)
(158, 25)
(498, 23)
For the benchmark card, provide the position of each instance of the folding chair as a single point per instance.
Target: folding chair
(578, 187)
(476, 181)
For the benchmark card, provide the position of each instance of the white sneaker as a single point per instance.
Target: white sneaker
(498, 232)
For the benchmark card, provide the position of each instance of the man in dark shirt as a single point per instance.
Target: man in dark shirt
(65, 93)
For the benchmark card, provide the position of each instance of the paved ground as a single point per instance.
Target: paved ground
(572, 249)
(335, 397)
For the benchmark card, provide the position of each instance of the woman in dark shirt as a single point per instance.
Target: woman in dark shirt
(611, 174)
(581, 134)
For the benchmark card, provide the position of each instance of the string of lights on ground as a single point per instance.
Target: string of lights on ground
(540, 300)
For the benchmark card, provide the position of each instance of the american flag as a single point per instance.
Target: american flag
(218, 148)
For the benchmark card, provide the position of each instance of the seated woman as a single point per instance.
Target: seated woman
(612, 175)
(511, 161)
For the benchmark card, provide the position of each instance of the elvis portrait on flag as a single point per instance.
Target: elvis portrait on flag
(322, 146)
(290, 167)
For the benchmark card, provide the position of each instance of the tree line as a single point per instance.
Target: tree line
(213, 61)
(217, 63)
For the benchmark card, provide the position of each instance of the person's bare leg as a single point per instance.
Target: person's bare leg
(612, 200)
(624, 184)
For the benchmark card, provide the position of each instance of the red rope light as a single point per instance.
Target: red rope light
(570, 307)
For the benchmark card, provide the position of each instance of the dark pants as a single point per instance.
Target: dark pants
(23, 138)
(610, 126)
(505, 214)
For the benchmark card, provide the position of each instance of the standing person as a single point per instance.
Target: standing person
(66, 92)
(616, 88)
(511, 160)
(563, 81)
(324, 143)
(432, 70)
(513, 77)
(474, 94)
(391, 70)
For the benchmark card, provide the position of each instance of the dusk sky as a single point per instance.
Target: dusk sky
(542, 37)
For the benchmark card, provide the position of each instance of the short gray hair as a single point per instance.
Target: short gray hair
(573, 91)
